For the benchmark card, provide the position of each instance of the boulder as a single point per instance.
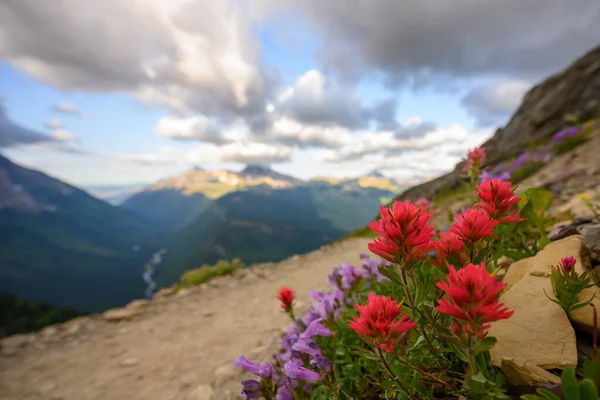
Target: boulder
(539, 333)
(526, 373)
(550, 255)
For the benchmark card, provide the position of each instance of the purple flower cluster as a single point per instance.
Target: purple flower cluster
(565, 133)
(529, 159)
(300, 360)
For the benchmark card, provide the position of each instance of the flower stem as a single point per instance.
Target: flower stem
(470, 356)
(425, 373)
(413, 309)
(393, 375)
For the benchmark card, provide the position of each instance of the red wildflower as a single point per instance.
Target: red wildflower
(286, 296)
(404, 232)
(377, 322)
(496, 198)
(473, 226)
(472, 299)
(567, 263)
(423, 203)
(475, 159)
(449, 246)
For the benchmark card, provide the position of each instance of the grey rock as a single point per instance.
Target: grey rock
(591, 236)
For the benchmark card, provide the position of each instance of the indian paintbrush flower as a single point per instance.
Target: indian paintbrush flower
(472, 299)
(377, 323)
(496, 197)
(449, 250)
(567, 284)
(286, 297)
(473, 225)
(405, 233)
(475, 160)
(567, 263)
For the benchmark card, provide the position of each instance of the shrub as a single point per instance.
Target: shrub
(206, 272)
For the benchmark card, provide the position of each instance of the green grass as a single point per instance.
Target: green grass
(198, 276)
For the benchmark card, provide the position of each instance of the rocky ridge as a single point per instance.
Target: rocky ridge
(541, 113)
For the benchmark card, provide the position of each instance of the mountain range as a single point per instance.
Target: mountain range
(65, 248)
(61, 246)
(173, 202)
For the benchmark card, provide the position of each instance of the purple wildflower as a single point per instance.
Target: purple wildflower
(334, 278)
(349, 275)
(295, 371)
(307, 346)
(283, 393)
(317, 295)
(315, 328)
(321, 363)
(323, 308)
(505, 176)
(251, 389)
(263, 370)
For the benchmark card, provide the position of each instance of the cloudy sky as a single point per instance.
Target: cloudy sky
(130, 91)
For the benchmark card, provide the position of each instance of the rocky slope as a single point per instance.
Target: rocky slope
(541, 114)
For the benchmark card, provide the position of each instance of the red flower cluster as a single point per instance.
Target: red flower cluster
(405, 233)
(472, 299)
(473, 226)
(449, 247)
(475, 159)
(496, 197)
(286, 297)
(377, 323)
(567, 263)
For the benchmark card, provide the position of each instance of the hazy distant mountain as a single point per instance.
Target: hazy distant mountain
(173, 202)
(269, 224)
(63, 247)
(114, 194)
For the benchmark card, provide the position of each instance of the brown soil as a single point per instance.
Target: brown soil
(176, 347)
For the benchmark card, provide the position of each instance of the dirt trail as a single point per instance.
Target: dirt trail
(179, 347)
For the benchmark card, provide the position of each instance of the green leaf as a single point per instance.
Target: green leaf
(591, 369)
(569, 384)
(587, 390)
(546, 394)
(368, 354)
(484, 344)
(540, 198)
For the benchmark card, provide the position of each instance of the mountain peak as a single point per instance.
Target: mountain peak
(375, 174)
(257, 169)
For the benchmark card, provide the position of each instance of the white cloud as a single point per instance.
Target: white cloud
(199, 128)
(63, 135)
(53, 124)
(189, 55)
(65, 108)
(431, 41)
